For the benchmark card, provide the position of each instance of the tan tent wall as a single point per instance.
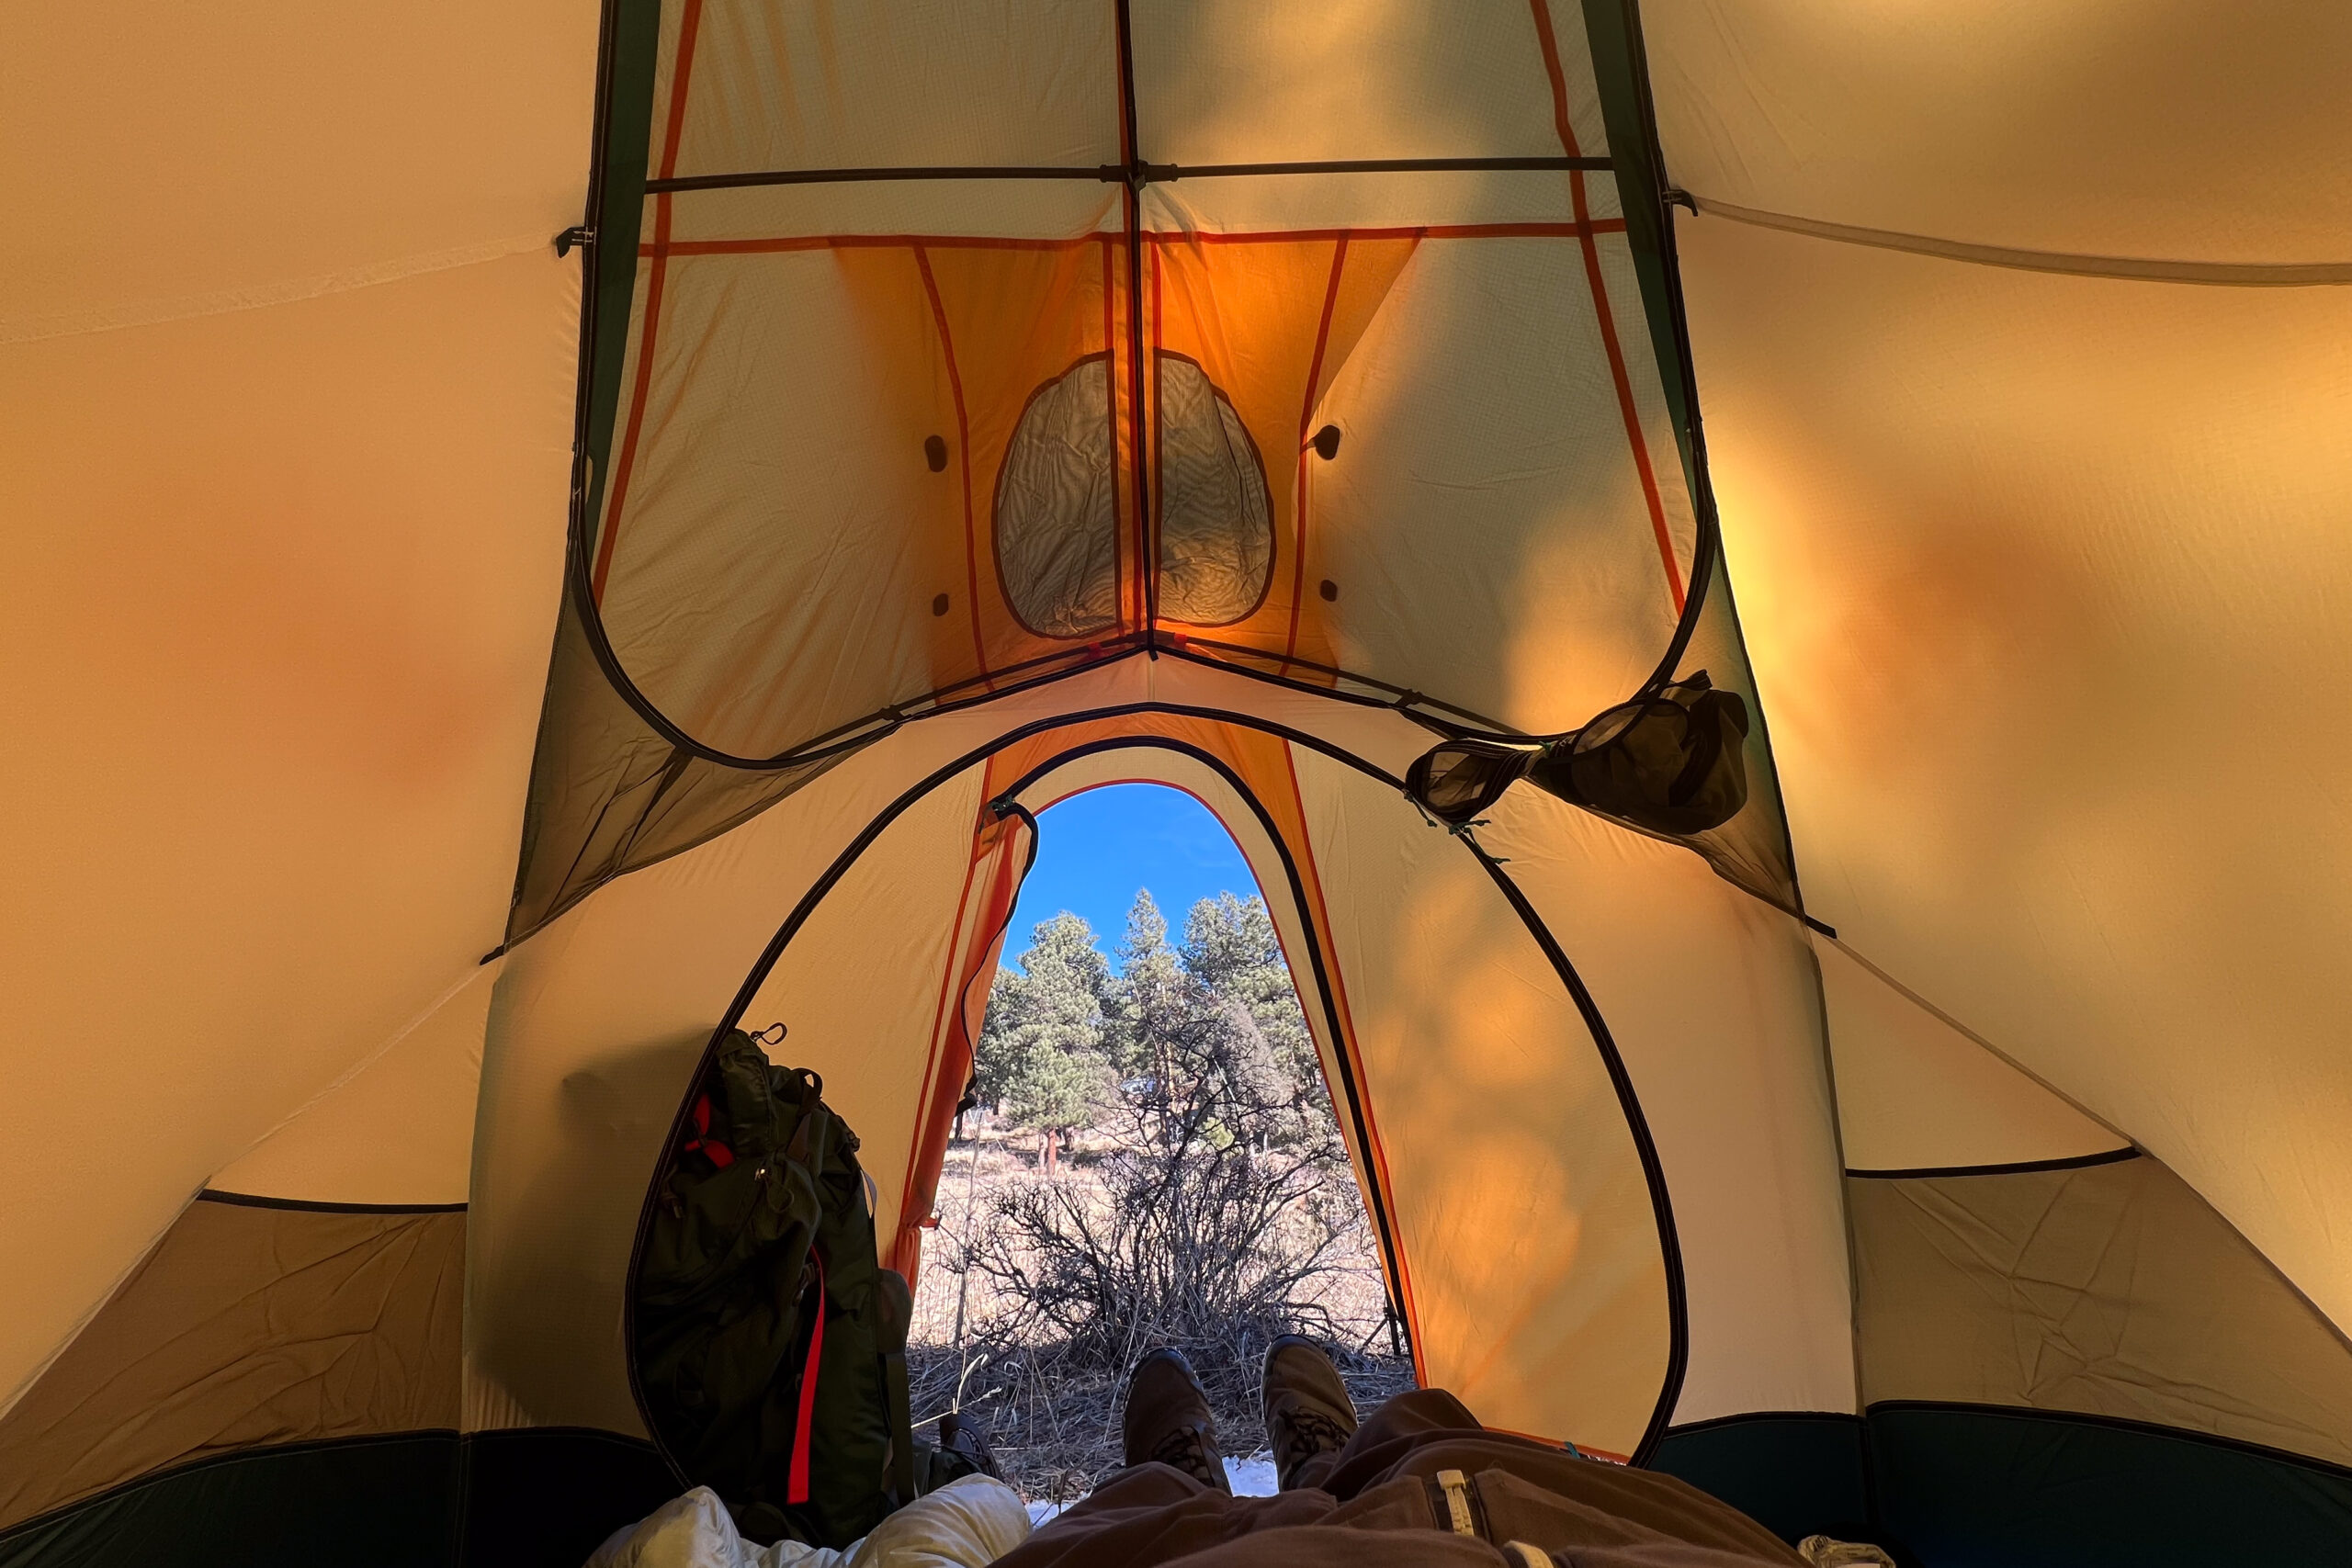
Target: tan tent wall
(1711, 998)
(1913, 1093)
(1535, 1278)
(2186, 130)
(2108, 1289)
(249, 1325)
(405, 145)
(401, 1130)
(865, 980)
(286, 379)
(2043, 575)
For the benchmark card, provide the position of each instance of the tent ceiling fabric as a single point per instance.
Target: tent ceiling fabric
(156, 156)
(822, 394)
(947, 396)
(845, 314)
(2186, 130)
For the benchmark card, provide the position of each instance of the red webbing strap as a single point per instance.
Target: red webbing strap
(797, 1490)
(710, 1148)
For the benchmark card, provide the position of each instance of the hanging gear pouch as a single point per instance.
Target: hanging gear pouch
(770, 1342)
(1673, 761)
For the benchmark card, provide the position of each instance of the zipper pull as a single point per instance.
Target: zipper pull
(1457, 1501)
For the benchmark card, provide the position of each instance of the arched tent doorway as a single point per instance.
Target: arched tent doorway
(1501, 1156)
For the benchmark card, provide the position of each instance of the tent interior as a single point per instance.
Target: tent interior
(535, 536)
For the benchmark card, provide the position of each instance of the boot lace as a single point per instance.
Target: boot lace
(1310, 1432)
(1187, 1448)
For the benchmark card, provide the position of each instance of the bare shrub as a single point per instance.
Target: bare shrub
(1212, 1209)
(1208, 1202)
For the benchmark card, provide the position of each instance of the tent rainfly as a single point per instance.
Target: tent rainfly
(933, 408)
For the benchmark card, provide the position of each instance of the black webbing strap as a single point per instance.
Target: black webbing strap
(897, 1304)
(902, 1433)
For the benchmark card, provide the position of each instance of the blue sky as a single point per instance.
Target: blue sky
(1094, 850)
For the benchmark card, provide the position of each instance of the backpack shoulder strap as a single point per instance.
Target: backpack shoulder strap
(897, 1303)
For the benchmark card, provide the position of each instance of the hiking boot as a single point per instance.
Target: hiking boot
(1308, 1413)
(969, 1441)
(1168, 1420)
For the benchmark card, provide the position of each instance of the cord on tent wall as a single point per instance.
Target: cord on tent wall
(1932, 1011)
(964, 1277)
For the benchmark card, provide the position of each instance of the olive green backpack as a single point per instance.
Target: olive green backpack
(762, 1216)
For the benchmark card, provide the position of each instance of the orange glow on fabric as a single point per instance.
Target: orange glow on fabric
(1305, 422)
(963, 461)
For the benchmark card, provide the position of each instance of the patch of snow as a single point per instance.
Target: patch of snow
(1254, 1476)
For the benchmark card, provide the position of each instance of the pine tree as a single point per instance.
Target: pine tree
(1231, 949)
(1065, 1038)
(1145, 991)
(1041, 1053)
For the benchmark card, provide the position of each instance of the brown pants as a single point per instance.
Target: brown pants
(1392, 1477)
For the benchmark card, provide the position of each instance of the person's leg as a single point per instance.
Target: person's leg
(1167, 1420)
(1172, 1499)
(1399, 1426)
(1311, 1422)
(1392, 1467)
(1309, 1416)
(1413, 1413)
(1520, 1488)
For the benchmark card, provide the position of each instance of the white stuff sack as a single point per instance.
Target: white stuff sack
(966, 1524)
